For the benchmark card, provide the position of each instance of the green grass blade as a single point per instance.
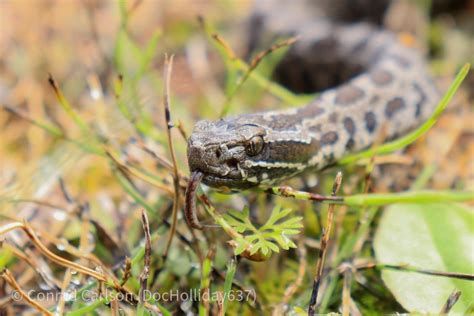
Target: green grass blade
(205, 283)
(408, 197)
(229, 278)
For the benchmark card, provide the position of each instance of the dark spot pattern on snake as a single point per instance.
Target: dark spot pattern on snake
(311, 110)
(422, 100)
(349, 125)
(393, 106)
(348, 94)
(401, 61)
(290, 122)
(370, 121)
(391, 87)
(350, 144)
(381, 77)
(329, 138)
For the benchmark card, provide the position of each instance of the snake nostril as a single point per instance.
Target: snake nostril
(232, 163)
(218, 153)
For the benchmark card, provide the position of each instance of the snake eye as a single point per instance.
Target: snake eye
(254, 146)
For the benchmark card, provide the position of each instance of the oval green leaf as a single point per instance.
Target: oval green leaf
(429, 237)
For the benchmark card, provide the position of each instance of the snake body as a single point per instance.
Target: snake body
(393, 94)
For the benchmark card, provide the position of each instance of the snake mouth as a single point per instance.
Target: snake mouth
(227, 184)
(227, 174)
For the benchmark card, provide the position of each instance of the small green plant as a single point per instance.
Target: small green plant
(268, 237)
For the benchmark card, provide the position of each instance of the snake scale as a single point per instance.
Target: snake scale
(392, 95)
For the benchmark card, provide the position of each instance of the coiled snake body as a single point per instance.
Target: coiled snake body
(394, 94)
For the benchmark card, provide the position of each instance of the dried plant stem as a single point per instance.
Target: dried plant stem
(52, 129)
(409, 268)
(62, 302)
(288, 192)
(236, 64)
(32, 261)
(253, 65)
(346, 290)
(129, 170)
(182, 131)
(147, 258)
(8, 277)
(100, 276)
(53, 257)
(66, 105)
(324, 247)
(160, 159)
(452, 299)
(127, 271)
(166, 102)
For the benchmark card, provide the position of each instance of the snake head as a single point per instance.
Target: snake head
(220, 150)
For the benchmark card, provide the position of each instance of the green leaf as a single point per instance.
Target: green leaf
(429, 237)
(272, 236)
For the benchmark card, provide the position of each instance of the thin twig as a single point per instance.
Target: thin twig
(64, 190)
(229, 51)
(53, 129)
(8, 277)
(134, 172)
(260, 56)
(66, 105)
(166, 105)
(100, 276)
(127, 271)
(147, 258)
(253, 65)
(161, 160)
(452, 299)
(114, 307)
(53, 257)
(346, 290)
(408, 268)
(182, 131)
(220, 304)
(64, 286)
(324, 246)
(32, 261)
(40, 203)
(288, 192)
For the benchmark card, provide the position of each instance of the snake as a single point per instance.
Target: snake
(391, 95)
